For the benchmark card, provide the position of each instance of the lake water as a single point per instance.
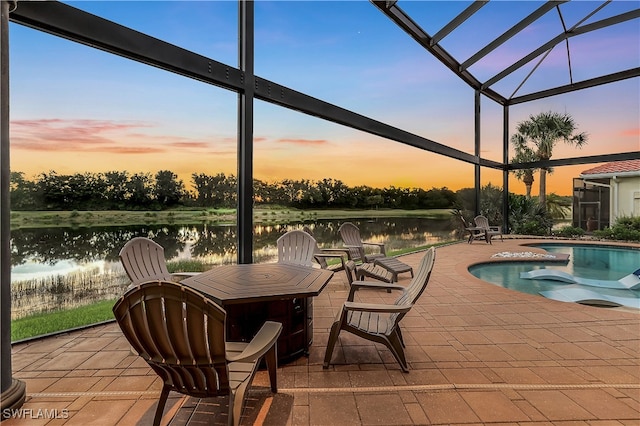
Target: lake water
(55, 268)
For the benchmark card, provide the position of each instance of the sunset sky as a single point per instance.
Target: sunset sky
(78, 109)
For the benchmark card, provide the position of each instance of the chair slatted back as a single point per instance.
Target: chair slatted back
(316, 250)
(297, 247)
(481, 222)
(418, 283)
(463, 221)
(350, 235)
(179, 333)
(143, 260)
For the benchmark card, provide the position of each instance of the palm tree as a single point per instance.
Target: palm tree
(557, 206)
(524, 154)
(540, 134)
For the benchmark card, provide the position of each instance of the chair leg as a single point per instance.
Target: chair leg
(400, 336)
(271, 359)
(236, 399)
(333, 338)
(161, 403)
(395, 346)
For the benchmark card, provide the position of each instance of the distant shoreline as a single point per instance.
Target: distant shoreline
(48, 219)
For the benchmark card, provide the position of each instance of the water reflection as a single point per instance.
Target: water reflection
(64, 267)
(50, 246)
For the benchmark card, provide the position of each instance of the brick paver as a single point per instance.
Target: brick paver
(478, 354)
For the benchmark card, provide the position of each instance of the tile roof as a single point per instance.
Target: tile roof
(615, 167)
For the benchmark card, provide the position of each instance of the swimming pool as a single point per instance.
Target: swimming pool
(599, 262)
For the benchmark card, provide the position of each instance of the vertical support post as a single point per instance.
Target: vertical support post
(245, 132)
(13, 391)
(477, 152)
(505, 170)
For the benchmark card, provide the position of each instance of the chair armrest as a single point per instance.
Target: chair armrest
(335, 250)
(260, 344)
(376, 307)
(379, 245)
(369, 243)
(329, 255)
(371, 285)
(375, 285)
(352, 246)
(183, 275)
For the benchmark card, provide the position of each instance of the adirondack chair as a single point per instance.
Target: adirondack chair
(352, 240)
(474, 232)
(378, 322)
(350, 235)
(490, 231)
(297, 247)
(143, 260)
(322, 254)
(180, 334)
(353, 271)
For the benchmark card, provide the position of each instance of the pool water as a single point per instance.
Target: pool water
(585, 261)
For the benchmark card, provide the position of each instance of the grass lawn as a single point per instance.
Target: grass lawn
(45, 323)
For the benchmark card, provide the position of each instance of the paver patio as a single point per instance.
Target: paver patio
(478, 353)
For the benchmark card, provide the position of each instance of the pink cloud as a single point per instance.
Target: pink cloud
(631, 132)
(95, 136)
(70, 135)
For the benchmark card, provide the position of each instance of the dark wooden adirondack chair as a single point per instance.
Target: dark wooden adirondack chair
(181, 335)
(377, 322)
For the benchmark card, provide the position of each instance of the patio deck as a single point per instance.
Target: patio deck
(478, 354)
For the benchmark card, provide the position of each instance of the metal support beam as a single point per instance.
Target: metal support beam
(572, 32)
(590, 159)
(77, 25)
(13, 391)
(505, 171)
(245, 133)
(283, 96)
(457, 21)
(477, 150)
(403, 20)
(585, 84)
(510, 33)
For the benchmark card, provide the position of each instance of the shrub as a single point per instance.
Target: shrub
(626, 228)
(528, 217)
(570, 232)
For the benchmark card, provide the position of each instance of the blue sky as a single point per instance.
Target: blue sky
(79, 109)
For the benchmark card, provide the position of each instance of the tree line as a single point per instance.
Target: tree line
(121, 190)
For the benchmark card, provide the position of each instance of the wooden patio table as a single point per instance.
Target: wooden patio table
(254, 293)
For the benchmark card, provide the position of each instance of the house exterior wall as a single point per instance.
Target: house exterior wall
(600, 199)
(628, 197)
